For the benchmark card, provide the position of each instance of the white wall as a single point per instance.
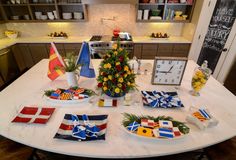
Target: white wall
(125, 13)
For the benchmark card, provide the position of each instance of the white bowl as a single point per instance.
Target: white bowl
(44, 17)
(66, 15)
(12, 36)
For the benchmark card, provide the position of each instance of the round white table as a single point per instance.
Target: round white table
(29, 88)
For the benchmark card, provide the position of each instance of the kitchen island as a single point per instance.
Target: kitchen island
(118, 143)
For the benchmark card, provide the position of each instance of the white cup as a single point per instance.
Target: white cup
(50, 15)
(55, 14)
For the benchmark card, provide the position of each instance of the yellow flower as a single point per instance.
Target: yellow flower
(119, 85)
(117, 63)
(126, 68)
(114, 46)
(117, 90)
(115, 53)
(128, 83)
(128, 72)
(104, 88)
(101, 73)
(108, 65)
(105, 79)
(110, 77)
(120, 49)
(121, 80)
(125, 75)
(117, 75)
(105, 66)
(132, 84)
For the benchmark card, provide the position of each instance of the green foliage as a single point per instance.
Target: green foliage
(70, 63)
(129, 118)
(115, 74)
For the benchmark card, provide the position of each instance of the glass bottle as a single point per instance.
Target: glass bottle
(200, 77)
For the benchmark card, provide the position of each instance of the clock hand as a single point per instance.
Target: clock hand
(170, 69)
(162, 71)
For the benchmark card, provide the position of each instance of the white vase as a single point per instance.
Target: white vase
(72, 79)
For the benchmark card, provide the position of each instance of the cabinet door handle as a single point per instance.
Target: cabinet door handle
(225, 49)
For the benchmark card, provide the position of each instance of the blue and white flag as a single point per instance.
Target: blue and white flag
(84, 59)
(133, 126)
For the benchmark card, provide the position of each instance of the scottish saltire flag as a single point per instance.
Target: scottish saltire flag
(87, 69)
(55, 63)
(65, 130)
(133, 126)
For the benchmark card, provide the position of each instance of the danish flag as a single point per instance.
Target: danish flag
(34, 114)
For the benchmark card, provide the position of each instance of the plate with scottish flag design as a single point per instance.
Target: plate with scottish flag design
(69, 96)
(82, 127)
(156, 99)
(156, 128)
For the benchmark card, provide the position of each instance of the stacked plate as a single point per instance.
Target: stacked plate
(67, 15)
(78, 15)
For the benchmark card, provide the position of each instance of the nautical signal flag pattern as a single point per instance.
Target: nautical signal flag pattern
(55, 63)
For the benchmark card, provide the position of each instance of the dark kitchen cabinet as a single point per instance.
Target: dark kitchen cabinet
(150, 51)
(180, 50)
(38, 52)
(138, 51)
(165, 50)
(60, 49)
(22, 53)
(72, 48)
(18, 55)
(1, 81)
(65, 48)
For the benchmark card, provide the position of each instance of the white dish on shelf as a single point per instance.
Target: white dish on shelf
(44, 17)
(67, 15)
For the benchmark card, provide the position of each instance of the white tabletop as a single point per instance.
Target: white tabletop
(29, 88)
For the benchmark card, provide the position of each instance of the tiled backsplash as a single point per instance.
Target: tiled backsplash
(125, 19)
(2, 29)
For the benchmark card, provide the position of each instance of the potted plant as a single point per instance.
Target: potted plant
(115, 77)
(71, 69)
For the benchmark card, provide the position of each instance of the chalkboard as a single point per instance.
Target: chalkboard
(218, 31)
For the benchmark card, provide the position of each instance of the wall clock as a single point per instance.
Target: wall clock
(168, 70)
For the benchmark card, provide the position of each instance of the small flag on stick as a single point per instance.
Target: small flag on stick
(55, 63)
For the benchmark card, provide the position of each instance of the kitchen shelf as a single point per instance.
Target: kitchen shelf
(69, 4)
(147, 4)
(179, 4)
(29, 8)
(167, 13)
(15, 5)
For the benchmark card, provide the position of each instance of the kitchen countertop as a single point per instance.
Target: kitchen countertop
(6, 42)
(146, 39)
(118, 143)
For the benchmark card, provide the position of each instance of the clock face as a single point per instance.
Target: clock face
(169, 71)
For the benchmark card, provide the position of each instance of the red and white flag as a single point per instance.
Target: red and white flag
(55, 63)
(34, 114)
